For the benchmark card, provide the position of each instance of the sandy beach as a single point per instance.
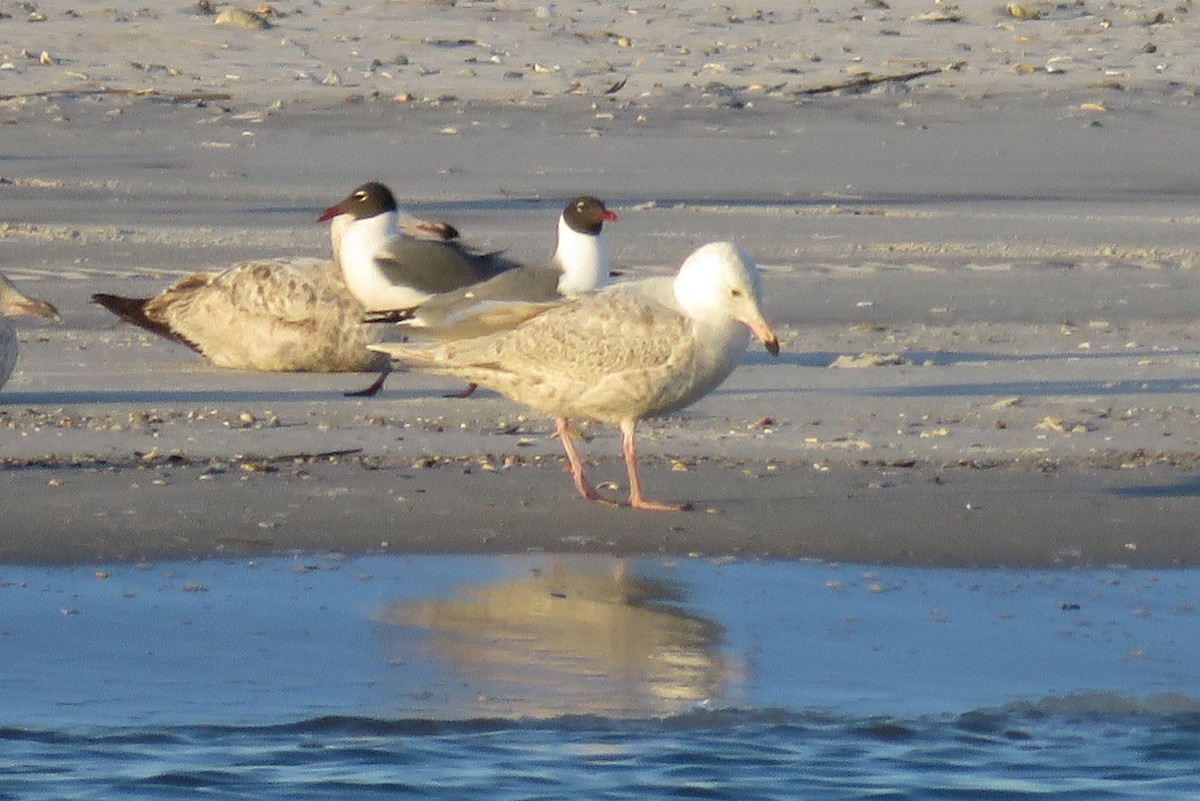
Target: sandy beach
(977, 233)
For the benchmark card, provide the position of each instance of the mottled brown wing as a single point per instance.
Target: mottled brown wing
(589, 339)
(282, 291)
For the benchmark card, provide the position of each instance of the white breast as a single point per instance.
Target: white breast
(583, 259)
(357, 243)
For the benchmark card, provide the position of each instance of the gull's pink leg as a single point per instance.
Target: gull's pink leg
(636, 499)
(581, 483)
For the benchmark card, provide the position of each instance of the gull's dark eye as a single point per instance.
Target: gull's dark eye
(737, 293)
(580, 206)
(360, 196)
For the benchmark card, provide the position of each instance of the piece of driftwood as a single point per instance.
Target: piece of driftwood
(868, 79)
(305, 456)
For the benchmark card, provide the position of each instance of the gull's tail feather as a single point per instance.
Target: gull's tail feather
(133, 311)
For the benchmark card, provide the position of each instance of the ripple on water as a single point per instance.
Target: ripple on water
(1020, 752)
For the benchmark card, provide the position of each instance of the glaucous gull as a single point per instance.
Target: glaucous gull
(629, 352)
(14, 304)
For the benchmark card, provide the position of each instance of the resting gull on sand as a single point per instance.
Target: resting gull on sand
(387, 269)
(283, 315)
(273, 315)
(15, 304)
(632, 351)
(580, 264)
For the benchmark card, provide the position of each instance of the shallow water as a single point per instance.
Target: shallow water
(551, 677)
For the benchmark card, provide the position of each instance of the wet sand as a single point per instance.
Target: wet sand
(983, 279)
(962, 517)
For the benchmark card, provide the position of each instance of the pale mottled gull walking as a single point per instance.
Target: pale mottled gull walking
(621, 355)
(14, 304)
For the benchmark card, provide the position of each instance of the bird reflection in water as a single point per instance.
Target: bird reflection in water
(573, 638)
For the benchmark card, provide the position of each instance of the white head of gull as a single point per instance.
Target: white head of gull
(629, 352)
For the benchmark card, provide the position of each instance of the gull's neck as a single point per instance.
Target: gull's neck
(583, 258)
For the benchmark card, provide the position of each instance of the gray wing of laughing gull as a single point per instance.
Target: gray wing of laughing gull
(500, 302)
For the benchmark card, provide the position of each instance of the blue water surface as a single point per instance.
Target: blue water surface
(545, 676)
